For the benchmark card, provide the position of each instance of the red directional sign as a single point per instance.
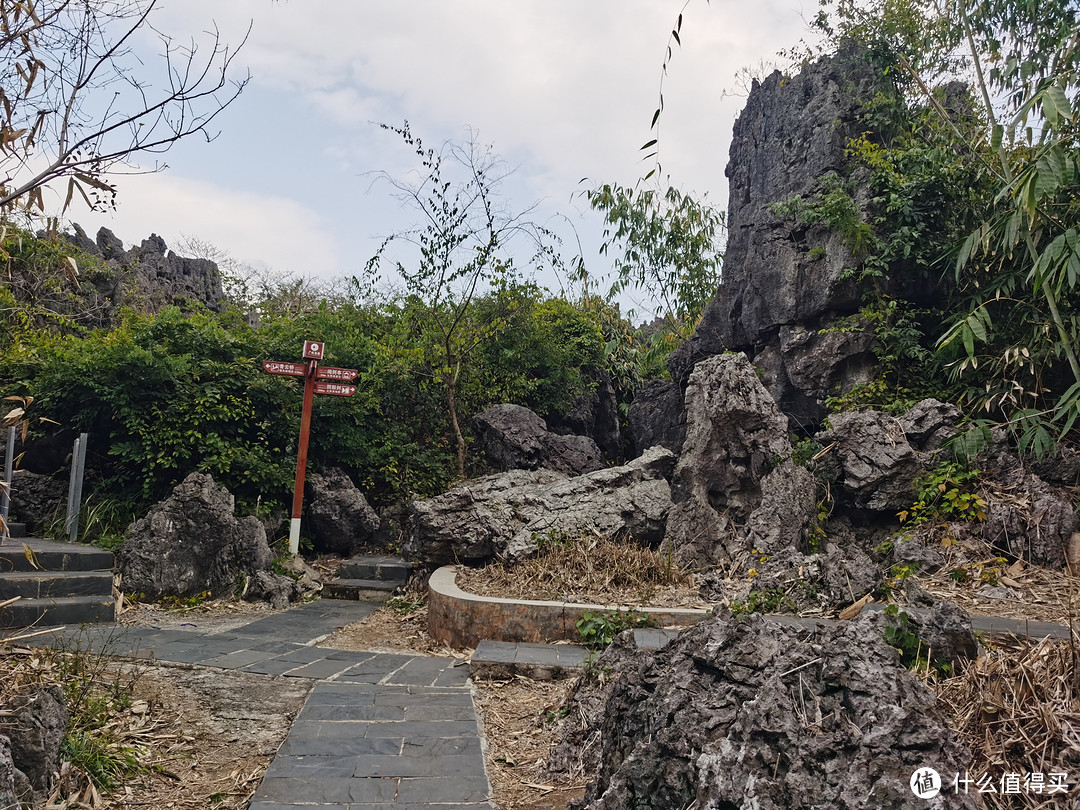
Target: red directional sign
(331, 373)
(292, 369)
(336, 389)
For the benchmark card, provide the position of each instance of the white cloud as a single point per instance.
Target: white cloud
(256, 229)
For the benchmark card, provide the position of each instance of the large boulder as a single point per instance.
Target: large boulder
(748, 712)
(36, 727)
(8, 797)
(339, 517)
(1030, 520)
(191, 543)
(788, 298)
(735, 487)
(656, 417)
(514, 438)
(878, 465)
(596, 415)
(503, 515)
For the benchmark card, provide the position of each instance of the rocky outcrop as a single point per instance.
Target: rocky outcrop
(596, 415)
(735, 486)
(512, 437)
(339, 517)
(36, 728)
(748, 712)
(787, 293)
(878, 465)
(37, 500)
(929, 424)
(8, 797)
(656, 417)
(1030, 520)
(191, 543)
(504, 515)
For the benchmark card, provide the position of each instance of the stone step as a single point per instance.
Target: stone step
(53, 556)
(375, 567)
(55, 584)
(53, 612)
(364, 590)
(16, 530)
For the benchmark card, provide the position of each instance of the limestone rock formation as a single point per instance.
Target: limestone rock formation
(929, 423)
(514, 438)
(879, 466)
(656, 417)
(735, 486)
(37, 500)
(504, 514)
(191, 543)
(339, 516)
(749, 712)
(595, 415)
(8, 797)
(36, 728)
(787, 297)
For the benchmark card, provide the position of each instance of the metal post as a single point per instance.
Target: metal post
(79, 460)
(9, 473)
(301, 458)
(71, 487)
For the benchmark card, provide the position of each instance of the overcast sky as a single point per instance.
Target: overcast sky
(562, 89)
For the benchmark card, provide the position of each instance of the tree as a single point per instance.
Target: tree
(462, 247)
(75, 102)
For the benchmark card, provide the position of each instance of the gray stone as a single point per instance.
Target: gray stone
(191, 543)
(339, 517)
(514, 438)
(947, 632)
(504, 514)
(929, 423)
(8, 798)
(878, 465)
(788, 297)
(37, 500)
(595, 415)
(36, 729)
(735, 487)
(750, 710)
(656, 417)
(1036, 521)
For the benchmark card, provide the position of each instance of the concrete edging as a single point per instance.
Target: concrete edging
(463, 619)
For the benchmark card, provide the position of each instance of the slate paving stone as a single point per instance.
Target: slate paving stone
(314, 767)
(415, 766)
(376, 669)
(306, 747)
(421, 728)
(431, 697)
(443, 789)
(317, 670)
(340, 713)
(238, 659)
(419, 672)
(440, 712)
(440, 746)
(327, 791)
(272, 666)
(453, 676)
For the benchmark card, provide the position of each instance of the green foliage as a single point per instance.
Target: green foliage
(668, 248)
(770, 600)
(404, 605)
(598, 630)
(947, 493)
(900, 633)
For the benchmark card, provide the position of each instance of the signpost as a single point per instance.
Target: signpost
(315, 382)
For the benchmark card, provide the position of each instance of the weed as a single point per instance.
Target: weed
(598, 630)
(767, 601)
(404, 605)
(946, 494)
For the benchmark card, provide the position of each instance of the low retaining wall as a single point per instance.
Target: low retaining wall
(463, 619)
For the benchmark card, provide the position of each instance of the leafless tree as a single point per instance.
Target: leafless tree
(77, 102)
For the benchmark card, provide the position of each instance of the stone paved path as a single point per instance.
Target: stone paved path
(377, 731)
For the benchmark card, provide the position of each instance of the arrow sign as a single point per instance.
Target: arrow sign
(336, 389)
(292, 369)
(331, 373)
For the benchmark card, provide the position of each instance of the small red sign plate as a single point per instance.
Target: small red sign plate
(292, 369)
(331, 373)
(336, 389)
(313, 349)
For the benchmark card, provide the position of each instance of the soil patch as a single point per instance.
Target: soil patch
(394, 628)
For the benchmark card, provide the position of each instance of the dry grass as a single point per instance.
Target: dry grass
(518, 718)
(588, 569)
(1017, 707)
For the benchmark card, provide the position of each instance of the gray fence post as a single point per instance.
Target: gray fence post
(78, 465)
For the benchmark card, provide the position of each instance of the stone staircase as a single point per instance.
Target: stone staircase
(70, 584)
(368, 578)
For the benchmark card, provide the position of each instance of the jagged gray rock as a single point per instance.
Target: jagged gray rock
(515, 438)
(787, 297)
(8, 798)
(503, 515)
(595, 415)
(747, 712)
(656, 417)
(1034, 523)
(191, 543)
(339, 517)
(37, 500)
(929, 424)
(735, 487)
(35, 729)
(878, 466)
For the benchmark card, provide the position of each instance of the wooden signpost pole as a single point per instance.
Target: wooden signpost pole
(314, 383)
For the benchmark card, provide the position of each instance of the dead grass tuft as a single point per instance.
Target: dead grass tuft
(1017, 708)
(587, 568)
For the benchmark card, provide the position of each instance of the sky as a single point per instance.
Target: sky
(562, 90)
